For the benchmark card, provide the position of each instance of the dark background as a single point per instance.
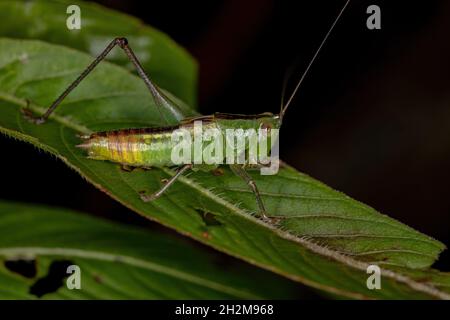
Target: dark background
(372, 118)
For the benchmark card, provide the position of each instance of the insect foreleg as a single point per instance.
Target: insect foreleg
(157, 194)
(160, 99)
(240, 171)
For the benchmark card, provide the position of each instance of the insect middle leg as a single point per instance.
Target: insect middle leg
(240, 171)
(160, 99)
(157, 194)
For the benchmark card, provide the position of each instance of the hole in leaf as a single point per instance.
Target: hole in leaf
(208, 218)
(54, 279)
(26, 268)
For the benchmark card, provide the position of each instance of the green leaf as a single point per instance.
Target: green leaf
(116, 261)
(325, 239)
(169, 65)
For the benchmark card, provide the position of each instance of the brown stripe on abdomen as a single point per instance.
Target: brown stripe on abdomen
(113, 145)
(131, 143)
(122, 145)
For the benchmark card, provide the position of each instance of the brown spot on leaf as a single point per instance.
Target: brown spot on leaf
(206, 235)
(217, 172)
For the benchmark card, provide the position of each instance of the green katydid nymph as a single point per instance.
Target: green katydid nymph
(152, 147)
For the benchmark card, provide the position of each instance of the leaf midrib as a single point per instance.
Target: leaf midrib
(309, 245)
(129, 260)
(324, 251)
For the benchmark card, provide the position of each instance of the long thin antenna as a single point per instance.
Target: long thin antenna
(283, 109)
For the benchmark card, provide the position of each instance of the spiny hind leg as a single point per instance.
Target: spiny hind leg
(240, 172)
(160, 99)
(167, 184)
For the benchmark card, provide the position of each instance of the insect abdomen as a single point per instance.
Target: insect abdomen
(135, 147)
